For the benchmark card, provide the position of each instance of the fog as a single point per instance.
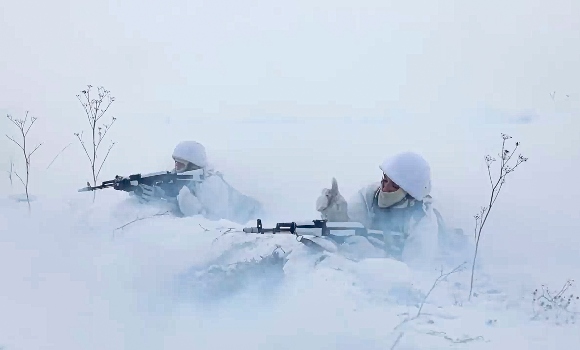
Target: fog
(287, 96)
(300, 59)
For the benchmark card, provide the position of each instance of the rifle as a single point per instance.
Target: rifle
(168, 180)
(317, 228)
(337, 231)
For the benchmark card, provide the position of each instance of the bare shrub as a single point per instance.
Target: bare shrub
(504, 170)
(555, 304)
(58, 154)
(95, 108)
(24, 128)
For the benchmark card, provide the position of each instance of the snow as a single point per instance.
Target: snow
(284, 97)
(119, 275)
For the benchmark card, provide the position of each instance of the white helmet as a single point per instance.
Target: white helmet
(192, 152)
(410, 171)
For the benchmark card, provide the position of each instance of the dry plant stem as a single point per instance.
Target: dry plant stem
(141, 218)
(11, 172)
(396, 342)
(58, 155)
(231, 229)
(24, 130)
(441, 277)
(95, 109)
(481, 217)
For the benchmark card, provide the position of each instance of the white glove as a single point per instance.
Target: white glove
(149, 193)
(332, 205)
(188, 203)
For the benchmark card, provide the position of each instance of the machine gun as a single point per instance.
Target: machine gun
(169, 181)
(336, 231)
(317, 228)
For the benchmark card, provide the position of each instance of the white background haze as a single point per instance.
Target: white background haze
(284, 96)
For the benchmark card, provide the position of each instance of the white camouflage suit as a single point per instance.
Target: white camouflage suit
(406, 213)
(211, 197)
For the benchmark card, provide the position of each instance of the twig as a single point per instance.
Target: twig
(141, 218)
(65, 147)
(19, 178)
(231, 229)
(396, 342)
(441, 277)
(104, 159)
(456, 340)
(11, 171)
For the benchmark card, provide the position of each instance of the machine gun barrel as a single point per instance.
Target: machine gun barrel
(105, 184)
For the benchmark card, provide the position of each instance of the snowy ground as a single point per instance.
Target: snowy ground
(285, 96)
(73, 279)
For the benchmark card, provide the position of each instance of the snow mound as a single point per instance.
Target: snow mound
(104, 272)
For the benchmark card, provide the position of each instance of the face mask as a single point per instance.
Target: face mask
(387, 199)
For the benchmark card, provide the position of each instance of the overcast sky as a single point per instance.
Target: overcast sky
(304, 58)
(423, 61)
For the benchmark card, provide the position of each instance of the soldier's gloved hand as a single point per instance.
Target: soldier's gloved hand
(148, 193)
(188, 203)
